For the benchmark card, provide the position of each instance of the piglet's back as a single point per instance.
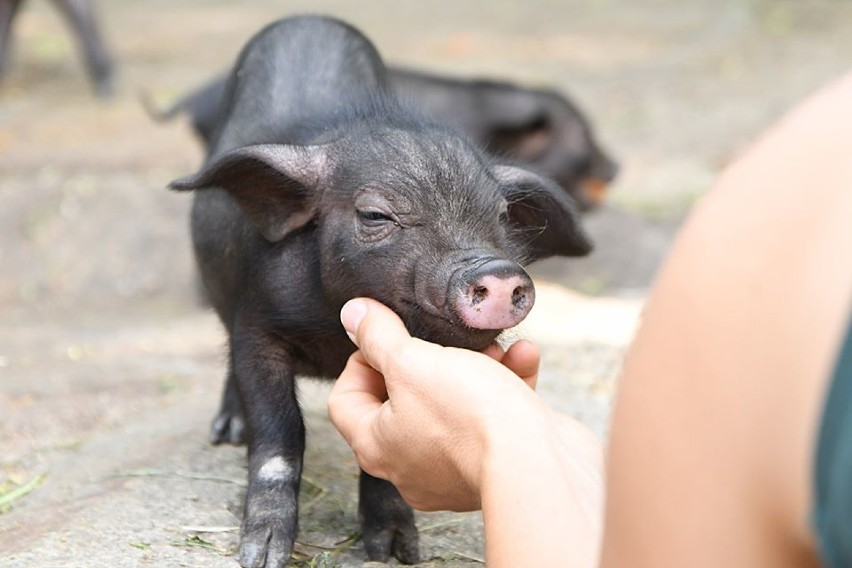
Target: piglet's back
(291, 80)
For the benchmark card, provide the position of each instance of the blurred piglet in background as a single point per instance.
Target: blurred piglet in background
(81, 16)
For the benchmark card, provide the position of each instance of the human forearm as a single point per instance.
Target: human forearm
(542, 493)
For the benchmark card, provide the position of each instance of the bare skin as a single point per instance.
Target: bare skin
(465, 421)
(718, 407)
(710, 457)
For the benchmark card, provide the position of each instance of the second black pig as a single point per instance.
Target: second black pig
(539, 127)
(319, 187)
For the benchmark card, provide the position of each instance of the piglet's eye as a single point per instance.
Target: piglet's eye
(373, 216)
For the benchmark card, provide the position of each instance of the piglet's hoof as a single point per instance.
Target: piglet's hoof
(401, 541)
(228, 429)
(387, 522)
(266, 542)
(229, 426)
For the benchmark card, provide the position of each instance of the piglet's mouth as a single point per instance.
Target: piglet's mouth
(441, 330)
(464, 338)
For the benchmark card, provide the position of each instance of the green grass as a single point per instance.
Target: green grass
(10, 492)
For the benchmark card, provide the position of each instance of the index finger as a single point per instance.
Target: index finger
(357, 395)
(523, 358)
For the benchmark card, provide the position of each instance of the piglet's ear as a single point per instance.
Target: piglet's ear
(276, 185)
(544, 216)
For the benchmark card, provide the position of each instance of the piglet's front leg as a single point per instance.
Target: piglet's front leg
(276, 445)
(387, 522)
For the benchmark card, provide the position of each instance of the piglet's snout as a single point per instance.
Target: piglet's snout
(497, 294)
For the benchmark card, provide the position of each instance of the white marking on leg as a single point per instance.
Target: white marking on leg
(276, 469)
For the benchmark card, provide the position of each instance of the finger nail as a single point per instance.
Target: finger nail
(351, 315)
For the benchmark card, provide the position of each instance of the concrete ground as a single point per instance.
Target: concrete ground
(110, 371)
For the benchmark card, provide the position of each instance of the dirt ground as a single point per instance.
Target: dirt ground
(110, 370)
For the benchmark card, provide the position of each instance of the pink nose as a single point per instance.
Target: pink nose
(496, 300)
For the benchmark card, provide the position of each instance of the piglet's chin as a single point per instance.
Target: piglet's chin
(454, 335)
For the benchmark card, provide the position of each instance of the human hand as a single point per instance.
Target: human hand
(423, 416)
